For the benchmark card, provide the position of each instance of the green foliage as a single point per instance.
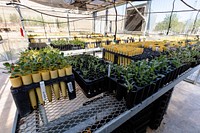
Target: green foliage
(32, 61)
(85, 73)
(163, 63)
(87, 63)
(65, 42)
(143, 74)
(128, 79)
(102, 69)
(60, 42)
(176, 62)
(13, 69)
(77, 42)
(119, 70)
(185, 55)
(176, 25)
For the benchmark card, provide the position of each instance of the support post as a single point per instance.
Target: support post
(106, 26)
(45, 32)
(110, 28)
(94, 20)
(148, 22)
(68, 25)
(22, 23)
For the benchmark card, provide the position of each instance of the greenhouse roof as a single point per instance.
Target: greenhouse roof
(85, 5)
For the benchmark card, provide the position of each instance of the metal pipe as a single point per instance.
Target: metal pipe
(22, 23)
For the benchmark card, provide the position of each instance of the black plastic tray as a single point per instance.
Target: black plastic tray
(91, 88)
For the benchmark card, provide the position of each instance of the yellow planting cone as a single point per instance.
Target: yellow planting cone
(32, 97)
(49, 92)
(27, 80)
(56, 88)
(61, 73)
(16, 82)
(45, 77)
(68, 70)
(37, 78)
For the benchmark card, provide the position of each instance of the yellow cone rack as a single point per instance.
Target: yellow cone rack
(21, 98)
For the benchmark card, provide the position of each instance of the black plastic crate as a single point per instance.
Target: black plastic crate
(136, 95)
(37, 46)
(21, 98)
(159, 109)
(22, 102)
(147, 54)
(67, 47)
(92, 87)
(138, 123)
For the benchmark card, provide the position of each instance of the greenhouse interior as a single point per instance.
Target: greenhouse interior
(99, 66)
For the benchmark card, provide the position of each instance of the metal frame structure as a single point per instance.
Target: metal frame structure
(73, 6)
(93, 111)
(85, 5)
(130, 113)
(194, 78)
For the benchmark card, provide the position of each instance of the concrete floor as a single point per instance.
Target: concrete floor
(183, 114)
(7, 109)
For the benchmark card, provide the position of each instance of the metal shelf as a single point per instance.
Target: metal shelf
(101, 114)
(194, 78)
(109, 127)
(71, 116)
(81, 51)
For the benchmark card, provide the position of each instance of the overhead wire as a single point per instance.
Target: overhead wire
(100, 16)
(170, 19)
(195, 20)
(36, 10)
(40, 11)
(189, 5)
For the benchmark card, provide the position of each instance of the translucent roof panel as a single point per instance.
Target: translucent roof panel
(86, 5)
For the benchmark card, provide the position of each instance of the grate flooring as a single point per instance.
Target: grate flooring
(79, 115)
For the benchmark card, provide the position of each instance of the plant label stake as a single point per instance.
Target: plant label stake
(109, 70)
(43, 90)
(70, 87)
(157, 48)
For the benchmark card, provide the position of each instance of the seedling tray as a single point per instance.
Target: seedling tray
(89, 87)
(21, 98)
(66, 47)
(102, 114)
(147, 54)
